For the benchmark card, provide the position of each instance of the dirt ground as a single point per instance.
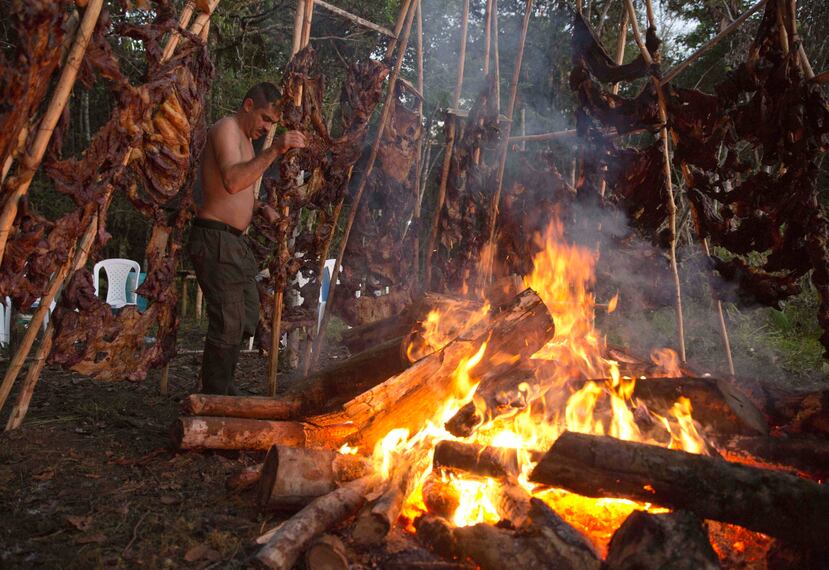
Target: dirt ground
(90, 479)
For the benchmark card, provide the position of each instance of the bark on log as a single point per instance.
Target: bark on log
(572, 545)
(206, 432)
(677, 540)
(441, 498)
(292, 537)
(800, 412)
(771, 502)
(512, 502)
(252, 407)
(294, 476)
(326, 553)
(809, 456)
(476, 459)
(408, 399)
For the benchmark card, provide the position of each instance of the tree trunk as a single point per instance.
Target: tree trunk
(252, 407)
(326, 553)
(294, 476)
(771, 502)
(441, 498)
(205, 432)
(677, 540)
(409, 399)
(291, 538)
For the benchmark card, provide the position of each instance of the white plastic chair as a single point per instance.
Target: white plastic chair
(6, 322)
(117, 271)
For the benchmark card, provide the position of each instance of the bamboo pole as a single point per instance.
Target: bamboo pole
(496, 57)
(679, 68)
(451, 130)
(31, 162)
(356, 19)
(184, 20)
(302, 27)
(487, 36)
(504, 146)
(723, 326)
(81, 252)
(666, 164)
(391, 94)
(801, 53)
(419, 155)
(398, 27)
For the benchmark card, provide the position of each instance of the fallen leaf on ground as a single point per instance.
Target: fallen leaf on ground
(201, 552)
(90, 538)
(80, 523)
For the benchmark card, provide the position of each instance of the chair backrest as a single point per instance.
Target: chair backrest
(117, 271)
(5, 321)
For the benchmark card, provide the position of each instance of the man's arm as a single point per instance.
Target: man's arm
(236, 173)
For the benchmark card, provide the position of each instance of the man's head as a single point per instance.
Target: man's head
(260, 109)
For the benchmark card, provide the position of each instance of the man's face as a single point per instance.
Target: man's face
(262, 119)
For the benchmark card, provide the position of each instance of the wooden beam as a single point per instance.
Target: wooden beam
(356, 19)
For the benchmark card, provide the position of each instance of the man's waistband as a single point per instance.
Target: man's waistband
(216, 225)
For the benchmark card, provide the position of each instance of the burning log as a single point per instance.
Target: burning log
(289, 540)
(375, 522)
(499, 392)
(806, 455)
(244, 479)
(326, 553)
(252, 407)
(437, 534)
(677, 540)
(477, 459)
(568, 541)
(406, 400)
(512, 502)
(536, 547)
(771, 502)
(294, 476)
(800, 412)
(440, 497)
(206, 432)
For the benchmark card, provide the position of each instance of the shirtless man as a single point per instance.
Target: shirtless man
(225, 267)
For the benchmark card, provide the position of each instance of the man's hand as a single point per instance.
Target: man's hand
(285, 142)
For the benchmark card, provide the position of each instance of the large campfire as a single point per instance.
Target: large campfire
(515, 433)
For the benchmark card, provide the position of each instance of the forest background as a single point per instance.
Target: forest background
(250, 41)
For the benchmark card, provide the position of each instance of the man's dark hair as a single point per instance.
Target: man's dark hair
(262, 94)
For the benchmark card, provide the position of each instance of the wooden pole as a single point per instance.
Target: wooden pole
(801, 53)
(398, 27)
(487, 36)
(419, 155)
(451, 129)
(496, 56)
(199, 302)
(723, 326)
(184, 20)
(391, 95)
(666, 165)
(356, 19)
(621, 41)
(679, 68)
(31, 162)
(306, 24)
(81, 254)
(504, 147)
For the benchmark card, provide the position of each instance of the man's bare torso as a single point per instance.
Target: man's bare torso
(219, 204)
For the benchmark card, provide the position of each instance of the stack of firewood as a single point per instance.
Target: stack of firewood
(310, 470)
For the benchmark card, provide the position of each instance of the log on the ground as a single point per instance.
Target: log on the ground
(253, 407)
(440, 497)
(499, 392)
(326, 553)
(785, 556)
(207, 432)
(569, 542)
(775, 503)
(243, 479)
(294, 476)
(291, 538)
(677, 540)
(512, 502)
(409, 399)
(806, 455)
(476, 459)
(495, 548)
